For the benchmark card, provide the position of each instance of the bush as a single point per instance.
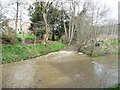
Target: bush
(8, 36)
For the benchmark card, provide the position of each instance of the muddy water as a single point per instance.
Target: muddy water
(63, 69)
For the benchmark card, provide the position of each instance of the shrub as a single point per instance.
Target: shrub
(8, 36)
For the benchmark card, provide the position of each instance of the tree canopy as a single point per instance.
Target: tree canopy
(54, 18)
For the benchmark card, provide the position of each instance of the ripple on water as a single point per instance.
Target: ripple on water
(65, 67)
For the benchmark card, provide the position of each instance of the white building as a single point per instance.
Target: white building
(21, 26)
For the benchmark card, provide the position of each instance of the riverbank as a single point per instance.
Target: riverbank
(18, 52)
(114, 87)
(105, 47)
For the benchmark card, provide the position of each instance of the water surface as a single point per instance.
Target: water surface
(63, 69)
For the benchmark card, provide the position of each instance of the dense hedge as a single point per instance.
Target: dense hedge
(17, 52)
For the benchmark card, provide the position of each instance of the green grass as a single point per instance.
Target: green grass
(17, 52)
(26, 36)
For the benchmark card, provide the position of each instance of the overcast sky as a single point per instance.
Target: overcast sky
(111, 4)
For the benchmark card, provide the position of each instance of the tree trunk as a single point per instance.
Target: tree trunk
(46, 35)
(23, 37)
(35, 38)
(71, 33)
(66, 35)
(53, 35)
(16, 22)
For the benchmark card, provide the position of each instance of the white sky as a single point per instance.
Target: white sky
(112, 4)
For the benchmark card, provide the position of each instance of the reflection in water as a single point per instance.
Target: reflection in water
(63, 69)
(98, 68)
(19, 75)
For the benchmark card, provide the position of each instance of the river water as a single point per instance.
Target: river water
(63, 69)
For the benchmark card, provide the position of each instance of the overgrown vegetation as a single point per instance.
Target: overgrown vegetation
(114, 87)
(106, 47)
(7, 34)
(17, 52)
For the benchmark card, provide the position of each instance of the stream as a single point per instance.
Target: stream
(63, 69)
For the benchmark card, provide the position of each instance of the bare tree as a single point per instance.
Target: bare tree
(19, 14)
(69, 32)
(88, 22)
(109, 30)
(16, 22)
(3, 10)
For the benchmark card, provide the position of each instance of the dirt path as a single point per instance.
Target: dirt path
(63, 69)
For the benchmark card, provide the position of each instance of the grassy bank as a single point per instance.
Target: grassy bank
(17, 52)
(106, 47)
